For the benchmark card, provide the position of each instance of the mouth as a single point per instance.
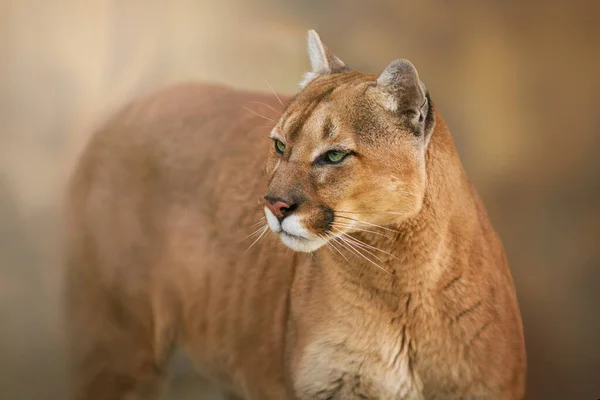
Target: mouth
(290, 236)
(293, 234)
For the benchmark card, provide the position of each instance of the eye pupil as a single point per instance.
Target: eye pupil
(279, 146)
(335, 156)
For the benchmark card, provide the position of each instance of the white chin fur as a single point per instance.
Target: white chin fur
(292, 233)
(300, 244)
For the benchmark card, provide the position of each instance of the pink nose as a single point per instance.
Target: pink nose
(279, 208)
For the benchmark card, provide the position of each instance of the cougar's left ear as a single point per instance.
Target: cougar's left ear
(404, 94)
(322, 61)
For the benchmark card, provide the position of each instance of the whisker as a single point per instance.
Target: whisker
(262, 234)
(345, 244)
(359, 229)
(266, 105)
(363, 244)
(371, 212)
(346, 238)
(275, 93)
(324, 242)
(262, 221)
(259, 115)
(330, 244)
(256, 226)
(354, 250)
(368, 223)
(259, 230)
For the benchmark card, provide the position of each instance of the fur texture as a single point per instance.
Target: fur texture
(166, 192)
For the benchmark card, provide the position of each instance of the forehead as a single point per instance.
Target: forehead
(318, 110)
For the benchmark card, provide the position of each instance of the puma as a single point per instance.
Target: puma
(397, 288)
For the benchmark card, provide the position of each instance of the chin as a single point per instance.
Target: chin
(301, 244)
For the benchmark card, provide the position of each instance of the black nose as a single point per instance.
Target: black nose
(279, 207)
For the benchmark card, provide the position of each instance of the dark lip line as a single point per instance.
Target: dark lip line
(294, 236)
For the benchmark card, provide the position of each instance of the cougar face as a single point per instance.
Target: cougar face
(348, 153)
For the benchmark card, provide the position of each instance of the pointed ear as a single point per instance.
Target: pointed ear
(405, 94)
(322, 61)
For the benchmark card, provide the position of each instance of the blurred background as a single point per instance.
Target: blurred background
(517, 82)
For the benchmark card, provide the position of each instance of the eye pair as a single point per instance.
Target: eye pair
(329, 157)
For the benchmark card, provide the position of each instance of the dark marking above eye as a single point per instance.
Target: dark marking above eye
(300, 117)
(328, 128)
(302, 105)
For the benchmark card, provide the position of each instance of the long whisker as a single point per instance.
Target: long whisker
(359, 229)
(262, 234)
(259, 115)
(257, 231)
(343, 245)
(266, 105)
(275, 93)
(346, 245)
(371, 212)
(347, 238)
(362, 244)
(332, 244)
(353, 249)
(258, 225)
(261, 222)
(327, 243)
(368, 223)
(354, 228)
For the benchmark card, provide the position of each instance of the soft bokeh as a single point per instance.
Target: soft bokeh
(516, 80)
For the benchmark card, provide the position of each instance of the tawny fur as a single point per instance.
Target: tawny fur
(159, 208)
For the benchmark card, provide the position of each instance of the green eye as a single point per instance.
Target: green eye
(279, 146)
(335, 156)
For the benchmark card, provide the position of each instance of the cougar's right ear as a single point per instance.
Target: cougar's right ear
(405, 94)
(322, 61)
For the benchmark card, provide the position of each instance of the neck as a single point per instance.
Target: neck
(417, 252)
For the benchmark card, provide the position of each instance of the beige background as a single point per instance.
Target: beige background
(516, 80)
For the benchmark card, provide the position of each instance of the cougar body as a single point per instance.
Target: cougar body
(397, 288)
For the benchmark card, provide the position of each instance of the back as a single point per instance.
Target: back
(165, 202)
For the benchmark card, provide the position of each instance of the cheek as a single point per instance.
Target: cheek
(333, 183)
(403, 190)
(395, 187)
